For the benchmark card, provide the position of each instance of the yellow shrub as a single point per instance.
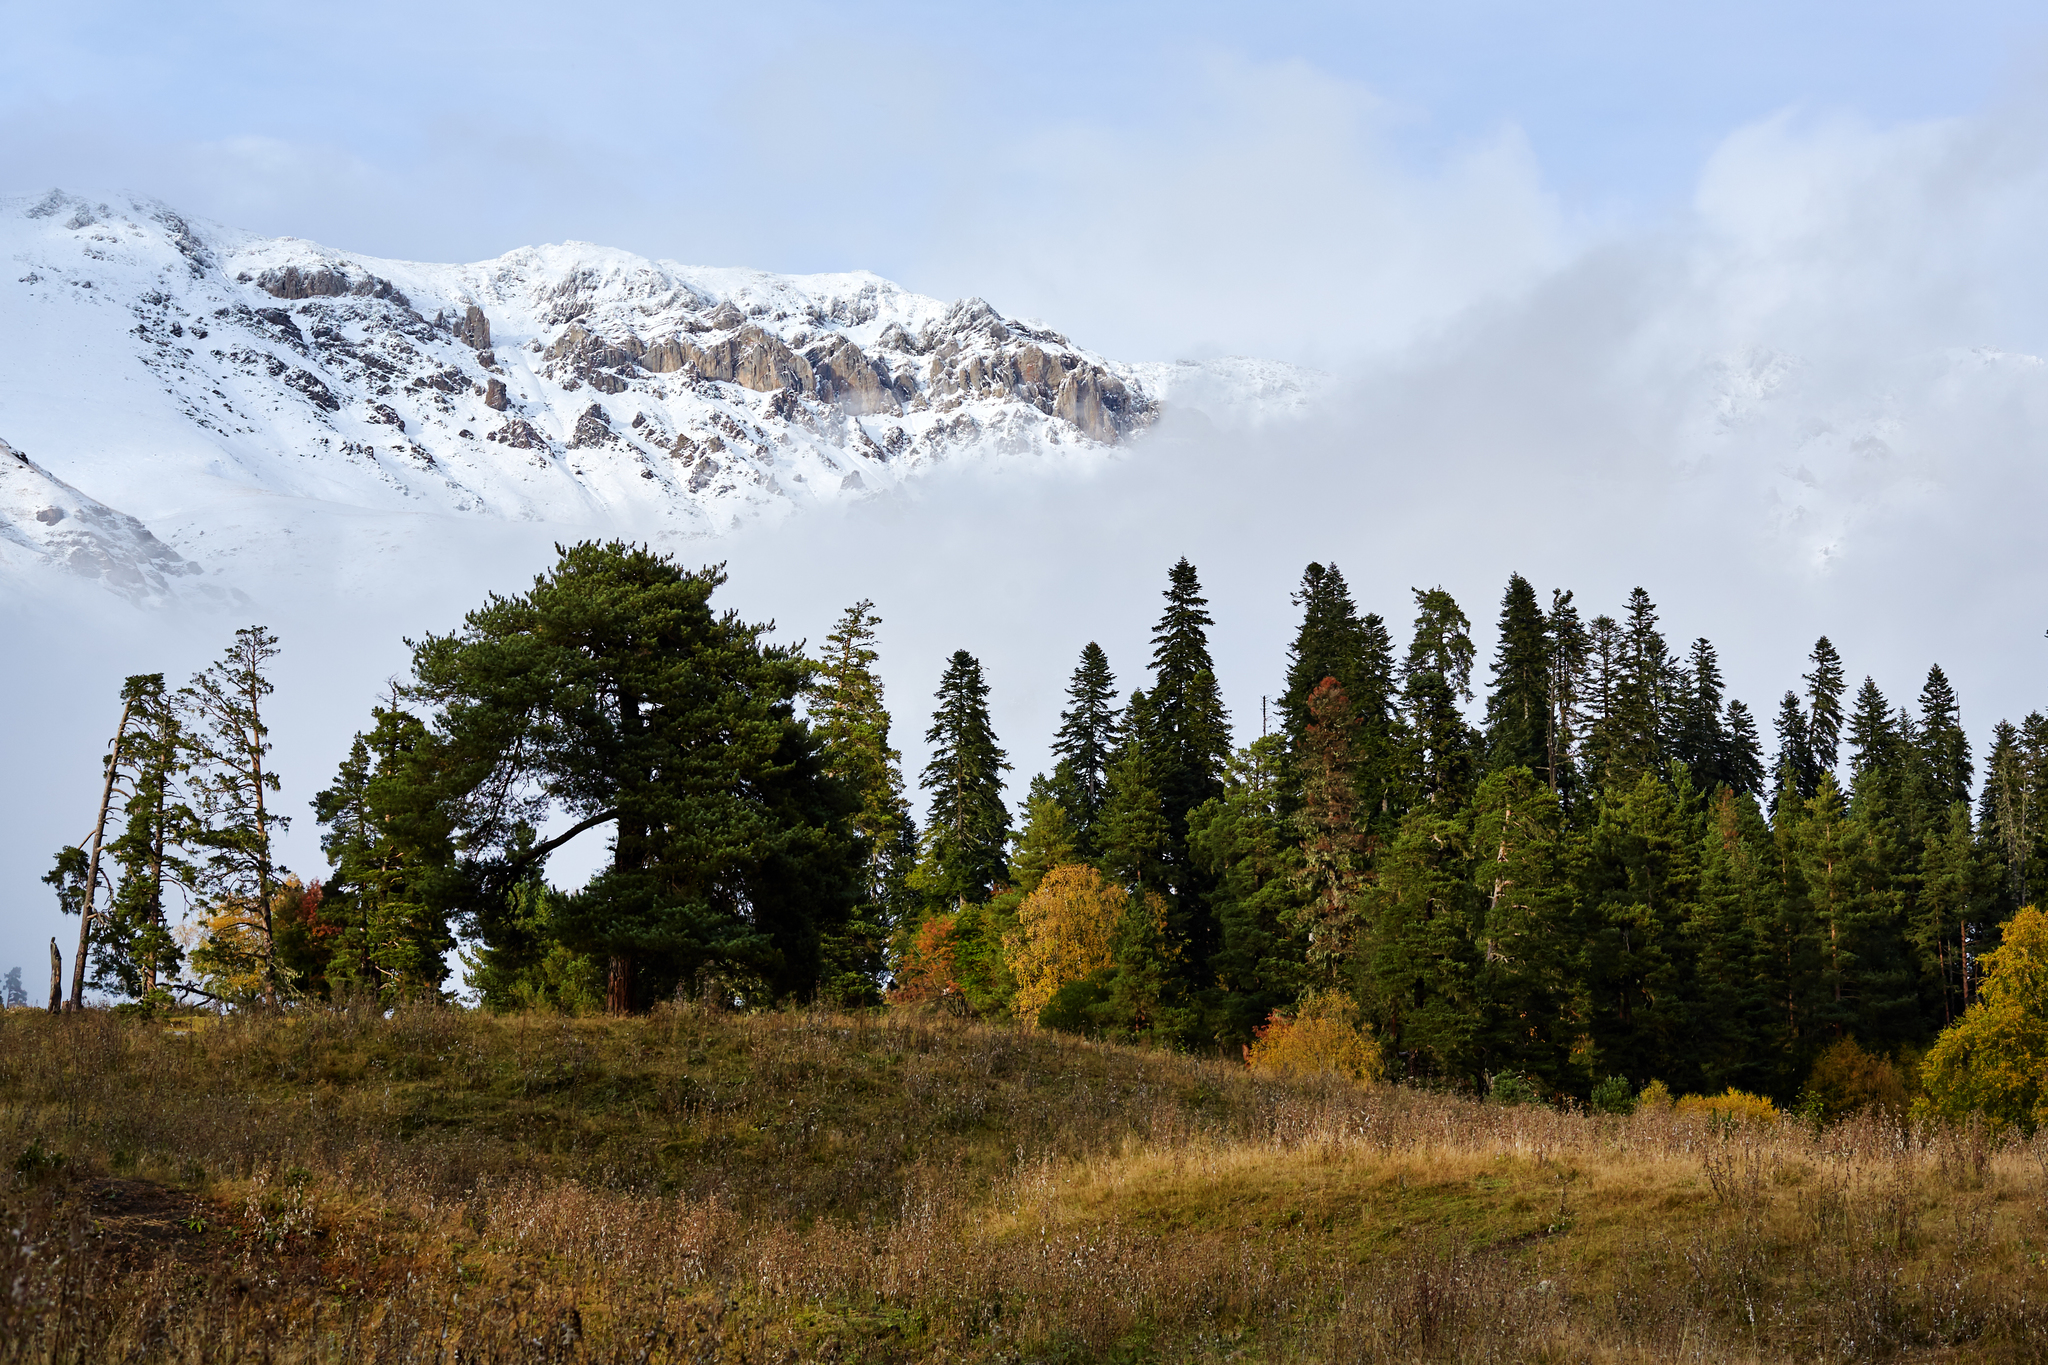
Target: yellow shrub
(1733, 1105)
(1323, 1038)
(1656, 1097)
(1994, 1060)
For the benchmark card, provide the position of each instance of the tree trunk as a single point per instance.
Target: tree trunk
(56, 978)
(618, 993)
(92, 871)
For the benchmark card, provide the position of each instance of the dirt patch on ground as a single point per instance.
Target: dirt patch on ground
(140, 1223)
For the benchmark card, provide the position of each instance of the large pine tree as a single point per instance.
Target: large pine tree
(1436, 678)
(1518, 703)
(1824, 689)
(852, 724)
(1087, 738)
(967, 826)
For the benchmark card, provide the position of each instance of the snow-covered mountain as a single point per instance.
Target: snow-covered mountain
(179, 370)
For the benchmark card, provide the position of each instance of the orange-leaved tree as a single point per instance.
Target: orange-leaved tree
(1994, 1060)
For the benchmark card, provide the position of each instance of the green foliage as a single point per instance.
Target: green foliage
(852, 726)
(967, 828)
(612, 694)
(1085, 744)
(1613, 1096)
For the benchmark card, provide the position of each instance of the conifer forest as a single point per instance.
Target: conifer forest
(1575, 870)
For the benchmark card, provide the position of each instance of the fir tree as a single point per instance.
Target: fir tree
(1330, 643)
(1824, 688)
(1518, 733)
(1135, 832)
(1086, 740)
(1246, 845)
(1942, 743)
(1436, 677)
(852, 723)
(1570, 650)
(967, 828)
(1745, 753)
(1796, 772)
(1698, 740)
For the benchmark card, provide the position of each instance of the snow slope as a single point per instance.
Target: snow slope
(241, 393)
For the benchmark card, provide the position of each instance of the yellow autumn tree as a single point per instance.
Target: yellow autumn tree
(1063, 933)
(1994, 1060)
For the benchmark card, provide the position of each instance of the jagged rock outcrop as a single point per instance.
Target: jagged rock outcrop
(593, 428)
(704, 395)
(474, 331)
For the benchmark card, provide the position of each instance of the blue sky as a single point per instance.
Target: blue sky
(975, 148)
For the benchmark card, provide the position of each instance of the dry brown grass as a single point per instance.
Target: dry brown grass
(816, 1186)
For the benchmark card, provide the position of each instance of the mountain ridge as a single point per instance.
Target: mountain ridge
(173, 366)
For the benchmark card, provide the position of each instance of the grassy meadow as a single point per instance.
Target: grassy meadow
(812, 1186)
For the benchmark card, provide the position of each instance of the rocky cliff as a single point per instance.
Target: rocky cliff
(159, 362)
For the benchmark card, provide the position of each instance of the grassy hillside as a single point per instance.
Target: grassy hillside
(813, 1186)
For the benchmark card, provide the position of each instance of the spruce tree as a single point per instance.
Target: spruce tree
(852, 724)
(1795, 770)
(1246, 844)
(1698, 740)
(1873, 737)
(2007, 816)
(1942, 743)
(1745, 753)
(1521, 872)
(1436, 677)
(1633, 726)
(1330, 643)
(1191, 728)
(1570, 651)
(967, 827)
(1188, 745)
(1824, 688)
(1602, 691)
(1134, 831)
(1087, 737)
(1518, 704)
(231, 786)
(390, 843)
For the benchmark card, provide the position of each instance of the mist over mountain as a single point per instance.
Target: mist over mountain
(235, 391)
